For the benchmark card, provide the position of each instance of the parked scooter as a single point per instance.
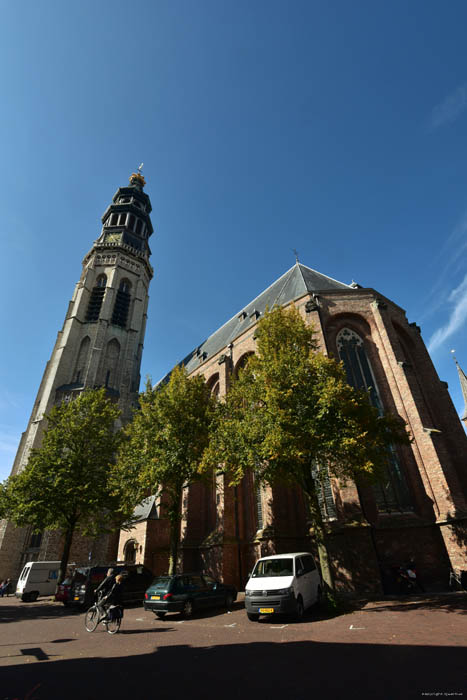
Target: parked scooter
(458, 580)
(407, 580)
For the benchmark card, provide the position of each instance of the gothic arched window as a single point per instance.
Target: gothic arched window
(122, 304)
(213, 385)
(353, 355)
(241, 363)
(112, 353)
(82, 358)
(392, 493)
(259, 511)
(96, 298)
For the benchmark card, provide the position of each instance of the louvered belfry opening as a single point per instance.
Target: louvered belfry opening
(96, 298)
(122, 304)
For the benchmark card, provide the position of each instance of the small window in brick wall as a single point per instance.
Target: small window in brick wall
(35, 541)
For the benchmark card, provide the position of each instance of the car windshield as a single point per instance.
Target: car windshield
(80, 575)
(273, 567)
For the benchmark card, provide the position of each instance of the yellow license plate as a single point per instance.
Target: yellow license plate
(265, 611)
(76, 597)
(155, 597)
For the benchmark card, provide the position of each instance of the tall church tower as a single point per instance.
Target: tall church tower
(100, 344)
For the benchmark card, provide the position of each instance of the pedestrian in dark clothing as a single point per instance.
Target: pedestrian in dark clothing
(5, 587)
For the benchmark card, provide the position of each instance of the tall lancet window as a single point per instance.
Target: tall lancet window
(259, 510)
(95, 300)
(122, 304)
(81, 361)
(392, 493)
(112, 353)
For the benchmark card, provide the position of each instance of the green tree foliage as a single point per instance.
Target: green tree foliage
(67, 483)
(291, 414)
(164, 444)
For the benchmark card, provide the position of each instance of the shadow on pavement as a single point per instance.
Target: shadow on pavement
(17, 611)
(449, 603)
(298, 670)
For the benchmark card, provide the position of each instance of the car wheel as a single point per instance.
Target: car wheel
(159, 614)
(26, 597)
(188, 608)
(300, 610)
(253, 617)
(229, 599)
(33, 596)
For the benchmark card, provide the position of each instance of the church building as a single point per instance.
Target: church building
(420, 509)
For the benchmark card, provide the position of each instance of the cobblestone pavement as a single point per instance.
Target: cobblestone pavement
(387, 649)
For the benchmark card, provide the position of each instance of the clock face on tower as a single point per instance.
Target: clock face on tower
(113, 237)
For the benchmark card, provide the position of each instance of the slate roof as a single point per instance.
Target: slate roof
(145, 510)
(296, 282)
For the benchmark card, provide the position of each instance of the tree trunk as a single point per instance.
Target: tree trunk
(320, 537)
(65, 554)
(175, 517)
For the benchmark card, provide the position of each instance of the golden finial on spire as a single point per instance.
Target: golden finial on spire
(137, 178)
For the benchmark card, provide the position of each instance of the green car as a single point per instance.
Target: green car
(185, 593)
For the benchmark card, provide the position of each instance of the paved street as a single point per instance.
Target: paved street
(394, 649)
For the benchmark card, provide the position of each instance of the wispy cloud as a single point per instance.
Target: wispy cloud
(458, 316)
(449, 109)
(448, 264)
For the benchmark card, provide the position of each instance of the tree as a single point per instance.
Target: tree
(164, 444)
(291, 416)
(66, 484)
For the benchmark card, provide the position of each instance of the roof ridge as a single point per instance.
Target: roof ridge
(288, 274)
(317, 272)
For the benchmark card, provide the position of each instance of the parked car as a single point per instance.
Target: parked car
(282, 583)
(87, 578)
(63, 593)
(37, 578)
(185, 593)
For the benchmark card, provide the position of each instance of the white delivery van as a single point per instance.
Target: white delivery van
(283, 583)
(37, 578)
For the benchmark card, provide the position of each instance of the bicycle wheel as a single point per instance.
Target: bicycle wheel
(113, 625)
(91, 619)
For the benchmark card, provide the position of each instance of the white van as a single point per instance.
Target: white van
(282, 583)
(37, 578)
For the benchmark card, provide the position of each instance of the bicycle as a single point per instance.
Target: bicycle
(93, 618)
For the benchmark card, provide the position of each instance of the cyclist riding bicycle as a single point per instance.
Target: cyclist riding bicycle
(103, 589)
(112, 603)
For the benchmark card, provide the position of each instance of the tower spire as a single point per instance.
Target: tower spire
(99, 345)
(463, 381)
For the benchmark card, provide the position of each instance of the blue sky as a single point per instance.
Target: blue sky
(337, 128)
